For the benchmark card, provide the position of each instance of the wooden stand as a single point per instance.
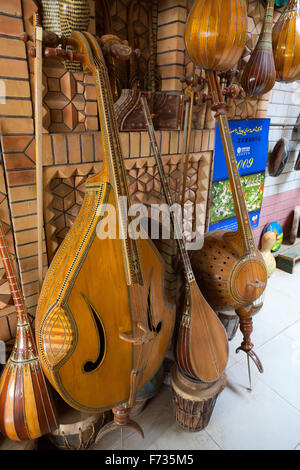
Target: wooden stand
(194, 401)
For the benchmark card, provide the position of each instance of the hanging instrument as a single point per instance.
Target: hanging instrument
(202, 346)
(26, 406)
(229, 269)
(259, 74)
(103, 324)
(286, 43)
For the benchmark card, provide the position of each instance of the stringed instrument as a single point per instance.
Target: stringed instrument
(26, 407)
(202, 345)
(259, 74)
(286, 43)
(103, 324)
(229, 269)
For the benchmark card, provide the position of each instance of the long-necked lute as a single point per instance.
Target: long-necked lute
(202, 345)
(229, 269)
(26, 407)
(103, 324)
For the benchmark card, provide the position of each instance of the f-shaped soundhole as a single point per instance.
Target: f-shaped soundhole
(90, 366)
(156, 329)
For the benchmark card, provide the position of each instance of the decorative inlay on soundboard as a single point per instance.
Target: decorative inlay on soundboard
(63, 198)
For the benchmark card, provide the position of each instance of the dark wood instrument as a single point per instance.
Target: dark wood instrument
(26, 407)
(229, 269)
(286, 43)
(259, 75)
(103, 324)
(202, 346)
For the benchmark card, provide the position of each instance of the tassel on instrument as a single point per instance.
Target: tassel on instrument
(259, 74)
(26, 407)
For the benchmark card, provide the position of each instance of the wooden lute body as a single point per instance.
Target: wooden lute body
(229, 268)
(103, 324)
(26, 406)
(202, 345)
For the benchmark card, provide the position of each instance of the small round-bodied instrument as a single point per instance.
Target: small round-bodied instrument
(227, 279)
(259, 74)
(286, 43)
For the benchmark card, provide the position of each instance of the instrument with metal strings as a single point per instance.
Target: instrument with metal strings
(103, 324)
(229, 269)
(202, 346)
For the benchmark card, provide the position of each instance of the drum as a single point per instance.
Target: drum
(230, 322)
(77, 430)
(193, 401)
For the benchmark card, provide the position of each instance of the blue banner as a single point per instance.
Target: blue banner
(250, 142)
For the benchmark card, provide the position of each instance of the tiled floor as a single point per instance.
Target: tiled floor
(268, 417)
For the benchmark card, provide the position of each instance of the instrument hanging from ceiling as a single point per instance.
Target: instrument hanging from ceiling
(286, 43)
(103, 324)
(259, 75)
(26, 407)
(229, 269)
(202, 346)
(215, 33)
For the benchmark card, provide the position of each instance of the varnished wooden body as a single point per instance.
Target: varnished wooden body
(223, 272)
(286, 43)
(26, 406)
(215, 33)
(97, 281)
(103, 324)
(202, 345)
(259, 74)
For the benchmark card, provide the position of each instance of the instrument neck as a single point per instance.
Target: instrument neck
(244, 226)
(265, 37)
(115, 168)
(188, 272)
(12, 281)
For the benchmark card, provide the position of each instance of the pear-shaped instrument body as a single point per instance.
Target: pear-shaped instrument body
(215, 33)
(259, 75)
(286, 43)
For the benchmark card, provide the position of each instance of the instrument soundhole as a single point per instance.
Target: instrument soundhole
(90, 366)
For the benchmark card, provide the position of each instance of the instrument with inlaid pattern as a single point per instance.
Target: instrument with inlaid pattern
(103, 324)
(229, 269)
(26, 407)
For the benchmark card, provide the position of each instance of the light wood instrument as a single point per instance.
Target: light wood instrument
(229, 269)
(38, 118)
(286, 43)
(259, 74)
(103, 324)
(202, 346)
(26, 407)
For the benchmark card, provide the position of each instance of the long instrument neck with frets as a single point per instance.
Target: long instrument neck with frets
(113, 161)
(13, 283)
(187, 268)
(218, 105)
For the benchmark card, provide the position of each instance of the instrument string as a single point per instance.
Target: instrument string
(137, 296)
